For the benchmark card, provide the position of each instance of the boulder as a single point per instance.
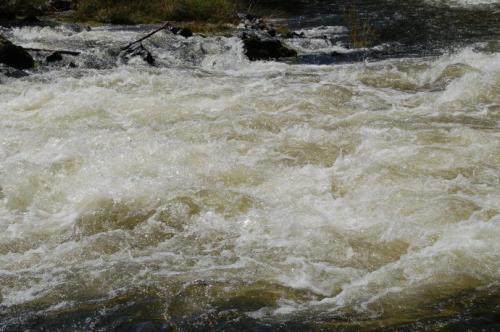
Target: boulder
(10, 72)
(259, 49)
(184, 32)
(54, 57)
(14, 56)
(139, 51)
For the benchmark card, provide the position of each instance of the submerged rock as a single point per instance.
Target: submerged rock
(258, 49)
(14, 56)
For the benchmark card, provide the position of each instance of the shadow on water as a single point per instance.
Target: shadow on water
(200, 309)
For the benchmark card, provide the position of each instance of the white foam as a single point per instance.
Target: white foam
(359, 185)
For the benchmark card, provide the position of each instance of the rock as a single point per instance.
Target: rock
(251, 17)
(11, 72)
(31, 19)
(142, 52)
(56, 56)
(14, 56)
(149, 58)
(185, 32)
(258, 49)
(272, 32)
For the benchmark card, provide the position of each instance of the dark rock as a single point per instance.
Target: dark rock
(31, 19)
(72, 65)
(56, 56)
(261, 25)
(297, 35)
(185, 32)
(14, 56)
(272, 32)
(250, 17)
(149, 59)
(142, 52)
(11, 72)
(258, 49)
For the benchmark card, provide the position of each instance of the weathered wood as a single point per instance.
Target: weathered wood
(75, 53)
(164, 26)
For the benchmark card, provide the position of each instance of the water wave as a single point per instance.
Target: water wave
(211, 189)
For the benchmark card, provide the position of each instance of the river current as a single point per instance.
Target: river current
(213, 193)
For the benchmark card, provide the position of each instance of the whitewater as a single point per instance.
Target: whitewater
(211, 192)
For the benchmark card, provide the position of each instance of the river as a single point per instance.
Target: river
(213, 193)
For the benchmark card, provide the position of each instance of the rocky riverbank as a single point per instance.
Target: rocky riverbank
(342, 33)
(261, 40)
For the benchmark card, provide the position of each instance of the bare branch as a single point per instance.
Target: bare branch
(75, 53)
(164, 26)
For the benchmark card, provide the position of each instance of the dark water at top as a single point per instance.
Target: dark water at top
(405, 28)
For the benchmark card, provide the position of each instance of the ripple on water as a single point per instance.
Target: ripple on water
(258, 195)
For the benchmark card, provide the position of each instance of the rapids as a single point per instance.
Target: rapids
(209, 192)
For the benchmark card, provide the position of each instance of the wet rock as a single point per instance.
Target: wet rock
(259, 49)
(272, 32)
(286, 33)
(31, 19)
(14, 56)
(184, 32)
(11, 72)
(139, 51)
(54, 57)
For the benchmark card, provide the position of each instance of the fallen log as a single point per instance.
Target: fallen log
(164, 26)
(74, 53)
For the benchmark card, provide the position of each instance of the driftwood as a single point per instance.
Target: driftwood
(53, 51)
(164, 26)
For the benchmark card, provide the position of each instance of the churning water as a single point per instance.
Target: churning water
(209, 192)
